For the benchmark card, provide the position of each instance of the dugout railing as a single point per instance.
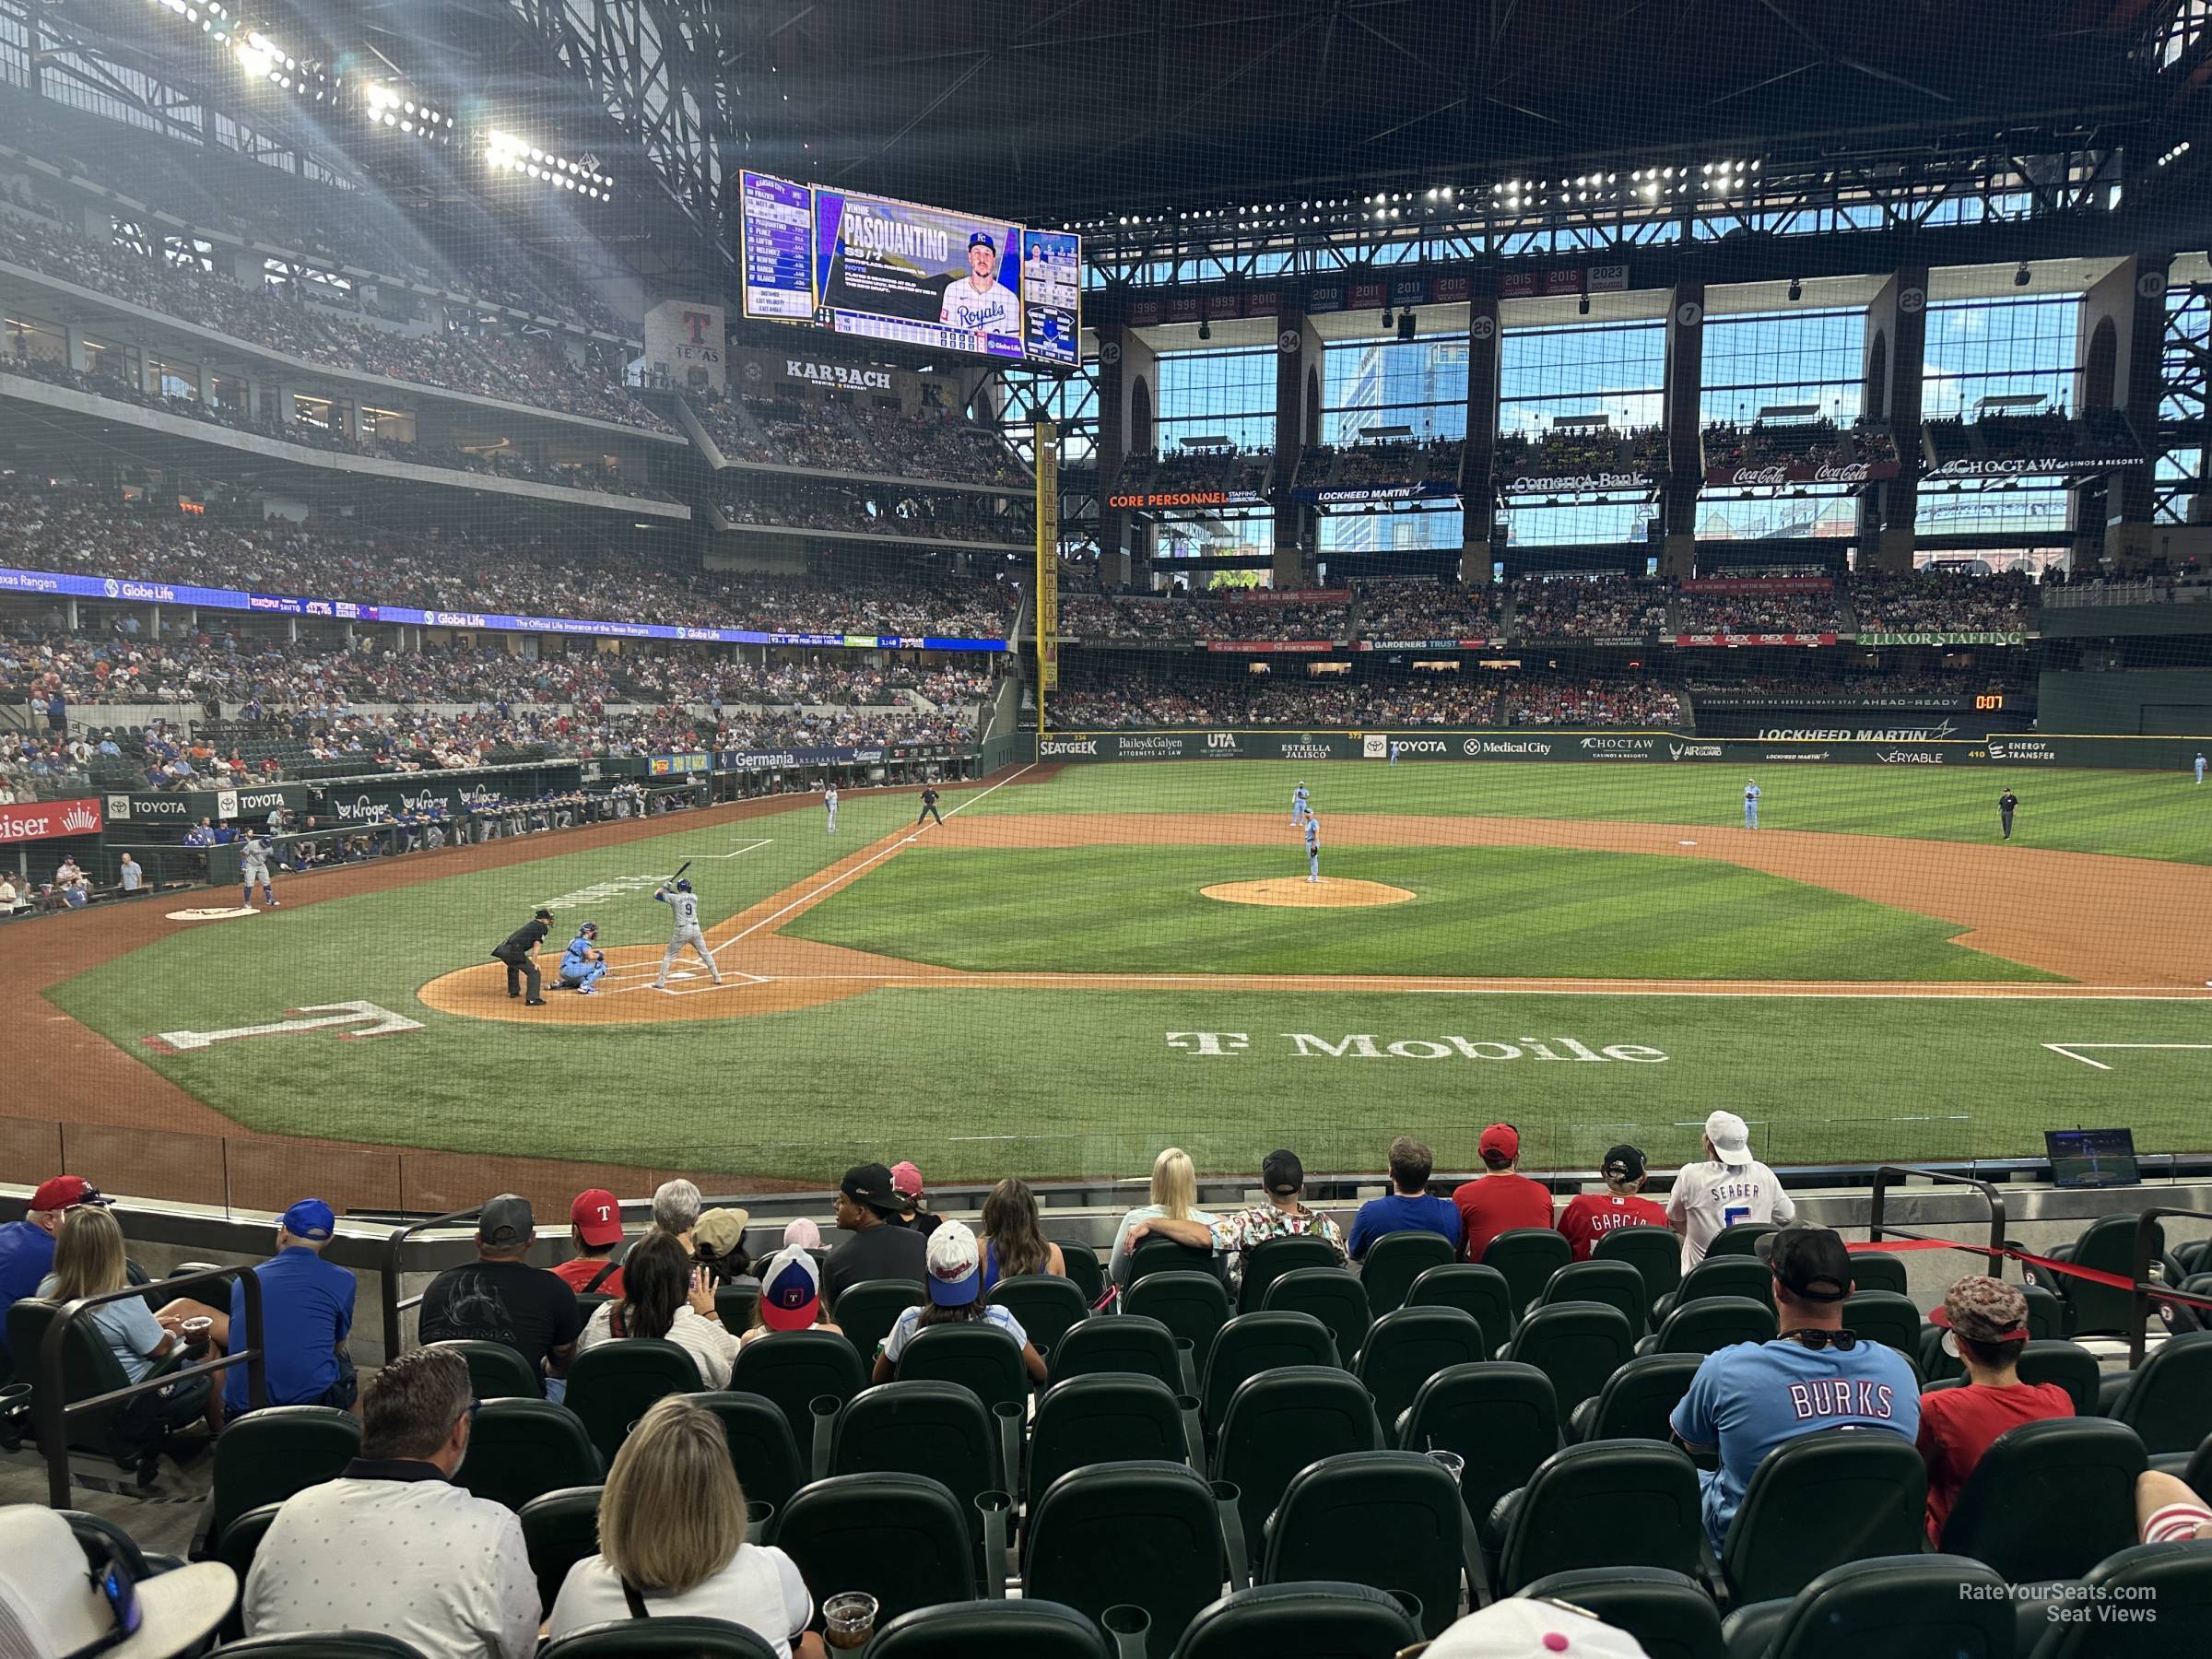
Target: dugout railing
(1888, 1176)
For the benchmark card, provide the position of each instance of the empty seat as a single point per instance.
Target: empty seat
(1194, 1306)
(1838, 1495)
(1528, 1256)
(1711, 1324)
(1741, 1240)
(1333, 1295)
(901, 1538)
(1503, 1419)
(1653, 1252)
(1617, 1284)
(1407, 1347)
(1144, 1534)
(2049, 1500)
(559, 1529)
(267, 1455)
(611, 1385)
(1887, 1317)
(1251, 1343)
(1877, 1270)
(866, 1312)
(1610, 1504)
(495, 1370)
(2174, 1581)
(936, 1429)
(1083, 1269)
(1669, 1613)
(1903, 1603)
(522, 1449)
(795, 1368)
(1129, 1342)
(1393, 1260)
(1473, 1289)
(2108, 1244)
(1267, 1262)
(1577, 1345)
(2168, 1399)
(1318, 1619)
(1638, 1401)
(762, 1449)
(1720, 1275)
(1280, 1420)
(1027, 1629)
(1107, 1417)
(1389, 1520)
(1045, 1305)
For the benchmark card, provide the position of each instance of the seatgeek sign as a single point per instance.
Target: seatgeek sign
(340, 610)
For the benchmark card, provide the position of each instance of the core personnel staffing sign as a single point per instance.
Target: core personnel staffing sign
(890, 270)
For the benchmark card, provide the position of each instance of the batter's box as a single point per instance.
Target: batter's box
(2071, 1050)
(732, 980)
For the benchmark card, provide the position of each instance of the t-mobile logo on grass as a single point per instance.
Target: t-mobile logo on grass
(1306, 1045)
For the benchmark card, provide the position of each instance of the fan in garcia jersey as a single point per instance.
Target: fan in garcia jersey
(979, 303)
(1589, 1216)
(1728, 1187)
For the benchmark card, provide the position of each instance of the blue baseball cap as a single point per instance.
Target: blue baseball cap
(310, 1219)
(981, 239)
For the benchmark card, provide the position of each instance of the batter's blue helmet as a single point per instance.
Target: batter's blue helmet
(683, 884)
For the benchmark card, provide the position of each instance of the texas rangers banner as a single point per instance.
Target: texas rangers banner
(1048, 561)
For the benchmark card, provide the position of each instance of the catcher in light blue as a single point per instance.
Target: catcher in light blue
(1313, 846)
(583, 964)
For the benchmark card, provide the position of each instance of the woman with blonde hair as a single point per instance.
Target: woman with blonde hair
(1174, 1199)
(89, 1261)
(672, 1541)
(1014, 1240)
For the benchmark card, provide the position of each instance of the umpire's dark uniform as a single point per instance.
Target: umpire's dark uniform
(2007, 804)
(929, 808)
(519, 951)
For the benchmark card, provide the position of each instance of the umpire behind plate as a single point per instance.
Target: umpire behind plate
(519, 951)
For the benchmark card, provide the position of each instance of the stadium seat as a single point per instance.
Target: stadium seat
(495, 1370)
(1617, 1284)
(1251, 1343)
(1937, 1368)
(267, 1455)
(1815, 1503)
(1502, 1419)
(1407, 1347)
(2049, 1500)
(1279, 1421)
(1901, 1604)
(1653, 1252)
(2174, 1578)
(1083, 1269)
(2196, 1469)
(1473, 1289)
(734, 1306)
(668, 1638)
(1161, 1255)
(1877, 1270)
(939, 1430)
(1147, 1535)
(611, 1385)
(2069, 1365)
(235, 1546)
(1637, 1400)
(762, 1449)
(1332, 1295)
(1719, 1276)
(1266, 1262)
(1528, 1256)
(2108, 1244)
(901, 1538)
(1710, 1324)
(325, 1644)
(1027, 1629)
(1109, 1418)
(1609, 1503)
(1741, 1240)
(1887, 1317)
(1578, 1344)
(522, 1449)
(1128, 1343)
(2046, 1312)
(1046, 1305)
(1194, 1306)
(1670, 1614)
(1389, 1520)
(2168, 1399)
(794, 1369)
(90, 1368)
(559, 1529)
(1318, 1619)
(1393, 1260)
(980, 1357)
(866, 1311)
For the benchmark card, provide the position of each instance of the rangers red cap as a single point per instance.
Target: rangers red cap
(597, 1218)
(66, 1192)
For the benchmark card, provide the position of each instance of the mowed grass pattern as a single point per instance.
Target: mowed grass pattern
(1478, 911)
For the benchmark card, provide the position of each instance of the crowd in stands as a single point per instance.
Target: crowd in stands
(1937, 681)
(1731, 447)
(1384, 467)
(1589, 607)
(831, 436)
(1330, 701)
(1750, 613)
(1220, 615)
(1238, 473)
(1573, 451)
(1939, 601)
(2053, 434)
(862, 510)
(1424, 608)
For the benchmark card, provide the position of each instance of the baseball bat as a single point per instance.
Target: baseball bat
(680, 869)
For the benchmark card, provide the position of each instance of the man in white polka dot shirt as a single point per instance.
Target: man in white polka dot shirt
(392, 1544)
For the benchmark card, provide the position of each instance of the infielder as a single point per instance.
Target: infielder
(929, 808)
(684, 908)
(1750, 804)
(254, 865)
(979, 303)
(584, 963)
(1313, 846)
(829, 805)
(1302, 804)
(2200, 768)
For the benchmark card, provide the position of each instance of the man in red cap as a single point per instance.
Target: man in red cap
(595, 1228)
(27, 1246)
(1500, 1198)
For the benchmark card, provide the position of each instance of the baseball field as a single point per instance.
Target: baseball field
(1081, 965)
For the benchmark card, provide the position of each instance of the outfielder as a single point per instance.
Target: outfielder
(684, 908)
(830, 805)
(253, 866)
(1750, 804)
(2200, 768)
(1302, 802)
(1313, 846)
(584, 962)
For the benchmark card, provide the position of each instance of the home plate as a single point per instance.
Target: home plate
(215, 915)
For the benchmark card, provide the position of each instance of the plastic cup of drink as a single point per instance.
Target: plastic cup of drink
(849, 1620)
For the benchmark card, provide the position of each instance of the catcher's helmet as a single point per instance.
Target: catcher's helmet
(590, 927)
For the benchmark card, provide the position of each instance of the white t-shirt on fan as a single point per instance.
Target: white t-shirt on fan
(759, 1589)
(1710, 1195)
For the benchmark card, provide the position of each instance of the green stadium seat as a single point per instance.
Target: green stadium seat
(495, 1370)
(1124, 1342)
(1609, 1503)
(2108, 1244)
(1279, 1421)
(1194, 1306)
(1578, 1344)
(1252, 1343)
(1393, 1260)
(522, 1449)
(2049, 1500)
(2069, 1365)
(1903, 1603)
(1085, 1268)
(1815, 1503)
(559, 1529)
(1502, 1417)
(88, 1368)
(1333, 1295)
(611, 1385)
(1637, 1400)
(661, 1638)
(1887, 1317)
(1670, 1614)
(866, 1311)
(1475, 1290)
(1528, 1256)
(981, 1357)
(1617, 1284)
(1389, 1520)
(1266, 1262)
(325, 1644)
(2196, 1470)
(2174, 1579)
(2168, 1399)
(1407, 1347)
(936, 1429)
(1160, 1255)
(762, 1449)
(1027, 1629)
(1047, 1306)
(1108, 1418)
(1146, 1534)
(1720, 1275)
(1877, 1270)
(734, 1306)
(1742, 1239)
(901, 1538)
(235, 1546)
(267, 1455)
(1937, 1368)
(795, 1368)
(1654, 1252)
(1318, 1619)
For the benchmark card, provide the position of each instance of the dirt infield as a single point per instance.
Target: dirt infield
(1301, 892)
(2115, 925)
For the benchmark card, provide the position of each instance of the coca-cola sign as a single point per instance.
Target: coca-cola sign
(1777, 473)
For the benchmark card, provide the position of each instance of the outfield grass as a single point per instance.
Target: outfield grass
(1484, 912)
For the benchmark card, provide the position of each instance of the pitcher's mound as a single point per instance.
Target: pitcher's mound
(1299, 893)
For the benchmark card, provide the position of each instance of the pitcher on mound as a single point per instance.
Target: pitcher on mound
(684, 905)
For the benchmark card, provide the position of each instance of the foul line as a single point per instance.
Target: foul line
(2068, 1049)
